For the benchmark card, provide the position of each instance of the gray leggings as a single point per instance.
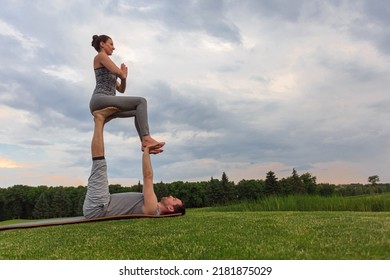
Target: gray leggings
(130, 106)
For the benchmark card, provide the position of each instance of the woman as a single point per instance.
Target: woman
(104, 95)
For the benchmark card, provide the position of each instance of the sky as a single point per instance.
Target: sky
(241, 87)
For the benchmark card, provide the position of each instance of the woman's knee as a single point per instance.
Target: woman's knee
(143, 100)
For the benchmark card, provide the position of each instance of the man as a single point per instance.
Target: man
(99, 202)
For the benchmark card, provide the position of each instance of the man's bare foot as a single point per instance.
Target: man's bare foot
(104, 113)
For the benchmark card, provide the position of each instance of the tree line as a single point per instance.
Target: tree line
(25, 202)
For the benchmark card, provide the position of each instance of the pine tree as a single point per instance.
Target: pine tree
(61, 204)
(227, 189)
(42, 209)
(297, 185)
(215, 192)
(271, 186)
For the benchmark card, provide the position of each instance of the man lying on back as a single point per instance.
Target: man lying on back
(98, 200)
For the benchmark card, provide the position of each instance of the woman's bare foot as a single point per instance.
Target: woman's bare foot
(104, 113)
(148, 141)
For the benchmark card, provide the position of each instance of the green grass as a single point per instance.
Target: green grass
(204, 234)
(364, 203)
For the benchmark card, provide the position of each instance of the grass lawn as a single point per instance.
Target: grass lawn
(204, 234)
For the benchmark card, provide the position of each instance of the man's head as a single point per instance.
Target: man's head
(171, 205)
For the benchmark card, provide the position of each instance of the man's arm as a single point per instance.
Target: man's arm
(150, 198)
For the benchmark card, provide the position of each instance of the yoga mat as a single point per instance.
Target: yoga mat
(81, 219)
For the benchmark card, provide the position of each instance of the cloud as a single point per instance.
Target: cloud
(29, 44)
(191, 16)
(63, 72)
(242, 87)
(6, 163)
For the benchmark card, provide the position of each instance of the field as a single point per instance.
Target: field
(236, 232)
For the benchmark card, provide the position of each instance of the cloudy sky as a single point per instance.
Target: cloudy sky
(241, 87)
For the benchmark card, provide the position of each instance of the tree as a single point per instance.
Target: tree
(193, 194)
(226, 189)
(298, 186)
(138, 187)
(309, 183)
(161, 190)
(61, 203)
(115, 188)
(326, 189)
(79, 203)
(250, 189)
(214, 192)
(373, 179)
(2, 205)
(285, 185)
(271, 185)
(42, 208)
(76, 197)
(16, 202)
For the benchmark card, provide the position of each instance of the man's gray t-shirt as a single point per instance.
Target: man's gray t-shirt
(125, 203)
(99, 202)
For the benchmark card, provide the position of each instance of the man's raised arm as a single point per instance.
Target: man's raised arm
(150, 198)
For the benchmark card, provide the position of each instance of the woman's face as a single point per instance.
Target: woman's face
(107, 47)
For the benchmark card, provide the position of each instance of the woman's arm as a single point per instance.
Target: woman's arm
(121, 86)
(102, 59)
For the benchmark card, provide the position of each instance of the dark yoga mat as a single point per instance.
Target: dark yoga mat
(81, 219)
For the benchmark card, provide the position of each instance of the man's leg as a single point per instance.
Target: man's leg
(100, 116)
(98, 195)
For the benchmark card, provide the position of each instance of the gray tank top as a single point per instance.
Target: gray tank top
(105, 82)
